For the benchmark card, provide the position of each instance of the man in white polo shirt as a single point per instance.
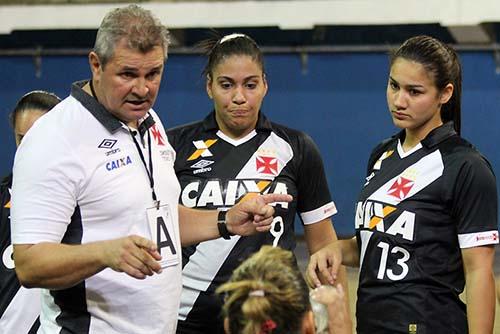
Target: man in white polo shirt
(95, 219)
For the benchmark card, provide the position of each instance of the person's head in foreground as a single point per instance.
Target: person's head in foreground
(267, 294)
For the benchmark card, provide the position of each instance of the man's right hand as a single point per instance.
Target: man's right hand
(134, 255)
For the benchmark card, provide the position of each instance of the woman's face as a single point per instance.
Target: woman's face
(413, 98)
(24, 120)
(237, 86)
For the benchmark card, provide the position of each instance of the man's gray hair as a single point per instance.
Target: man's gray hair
(140, 29)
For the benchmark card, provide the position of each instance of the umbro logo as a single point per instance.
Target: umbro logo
(202, 166)
(107, 143)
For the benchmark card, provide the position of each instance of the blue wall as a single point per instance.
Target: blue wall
(339, 99)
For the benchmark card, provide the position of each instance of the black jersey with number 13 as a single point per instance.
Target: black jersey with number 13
(416, 211)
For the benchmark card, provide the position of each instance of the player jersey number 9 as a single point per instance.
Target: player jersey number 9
(277, 229)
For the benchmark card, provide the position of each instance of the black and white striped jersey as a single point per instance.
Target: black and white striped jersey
(19, 307)
(415, 213)
(216, 171)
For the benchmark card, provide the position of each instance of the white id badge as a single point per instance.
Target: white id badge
(163, 233)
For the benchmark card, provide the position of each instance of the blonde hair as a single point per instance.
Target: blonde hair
(266, 294)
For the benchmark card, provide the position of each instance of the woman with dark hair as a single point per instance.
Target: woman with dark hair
(236, 151)
(30, 108)
(19, 307)
(426, 218)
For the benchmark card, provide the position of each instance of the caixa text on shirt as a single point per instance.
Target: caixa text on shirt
(118, 163)
(372, 215)
(216, 193)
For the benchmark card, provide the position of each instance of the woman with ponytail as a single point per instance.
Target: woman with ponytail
(426, 218)
(267, 294)
(19, 307)
(234, 152)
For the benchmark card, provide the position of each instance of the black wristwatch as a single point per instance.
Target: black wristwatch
(221, 225)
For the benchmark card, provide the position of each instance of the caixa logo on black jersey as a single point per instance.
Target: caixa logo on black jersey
(219, 194)
(385, 218)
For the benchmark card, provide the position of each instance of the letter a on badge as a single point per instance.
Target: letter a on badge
(162, 231)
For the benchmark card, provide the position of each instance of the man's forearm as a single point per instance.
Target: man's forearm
(57, 266)
(197, 225)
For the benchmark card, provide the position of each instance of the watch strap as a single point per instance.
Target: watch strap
(221, 225)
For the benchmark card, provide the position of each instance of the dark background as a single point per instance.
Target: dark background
(329, 82)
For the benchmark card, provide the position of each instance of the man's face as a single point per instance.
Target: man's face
(128, 84)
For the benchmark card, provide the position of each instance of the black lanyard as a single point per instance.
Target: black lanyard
(150, 170)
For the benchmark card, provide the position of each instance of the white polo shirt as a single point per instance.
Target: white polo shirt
(79, 178)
